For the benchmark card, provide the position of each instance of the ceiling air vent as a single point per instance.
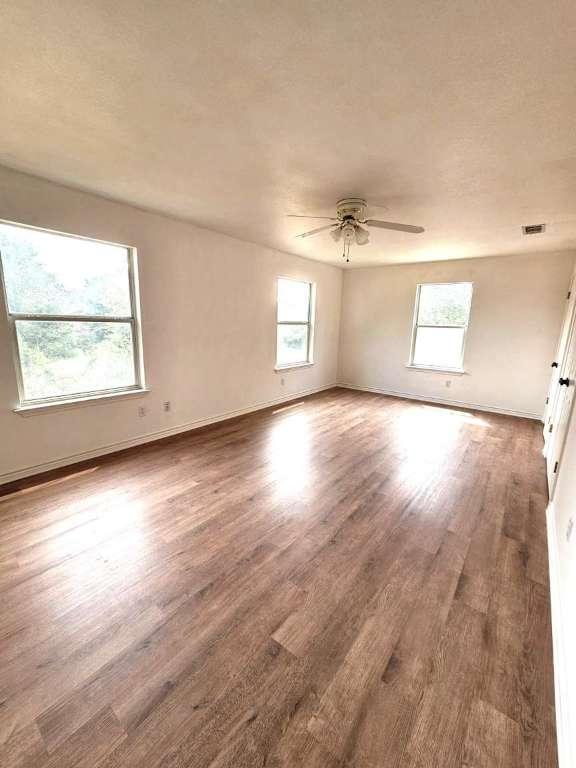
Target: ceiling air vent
(533, 229)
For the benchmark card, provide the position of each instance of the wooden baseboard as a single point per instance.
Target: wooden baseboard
(9, 481)
(443, 401)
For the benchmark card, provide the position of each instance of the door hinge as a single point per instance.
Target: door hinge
(555, 468)
(569, 294)
(550, 428)
(547, 399)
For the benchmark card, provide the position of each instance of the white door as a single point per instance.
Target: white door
(558, 363)
(566, 389)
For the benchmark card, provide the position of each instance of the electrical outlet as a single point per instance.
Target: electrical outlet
(569, 528)
(448, 383)
(166, 406)
(141, 411)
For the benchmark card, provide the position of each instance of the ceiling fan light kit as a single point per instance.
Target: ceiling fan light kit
(351, 212)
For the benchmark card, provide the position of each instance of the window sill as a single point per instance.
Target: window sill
(57, 405)
(433, 369)
(293, 365)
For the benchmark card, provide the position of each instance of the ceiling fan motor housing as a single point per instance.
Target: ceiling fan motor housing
(351, 208)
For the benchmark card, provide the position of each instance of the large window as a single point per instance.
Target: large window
(71, 306)
(440, 325)
(294, 323)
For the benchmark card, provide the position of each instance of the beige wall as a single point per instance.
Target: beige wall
(515, 320)
(208, 311)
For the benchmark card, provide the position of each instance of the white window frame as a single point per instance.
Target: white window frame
(416, 325)
(309, 322)
(134, 319)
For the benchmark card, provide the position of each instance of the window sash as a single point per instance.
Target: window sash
(453, 348)
(133, 319)
(417, 325)
(308, 340)
(296, 320)
(88, 392)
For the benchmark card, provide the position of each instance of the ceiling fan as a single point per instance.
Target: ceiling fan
(351, 212)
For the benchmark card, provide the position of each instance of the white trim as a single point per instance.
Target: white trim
(435, 369)
(289, 366)
(416, 326)
(561, 682)
(310, 323)
(133, 320)
(45, 406)
(443, 401)
(18, 474)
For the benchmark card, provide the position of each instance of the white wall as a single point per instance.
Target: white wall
(515, 321)
(208, 306)
(208, 311)
(563, 586)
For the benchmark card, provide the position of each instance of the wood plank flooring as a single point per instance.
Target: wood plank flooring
(347, 581)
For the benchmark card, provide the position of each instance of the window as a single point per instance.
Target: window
(71, 305)
(441, 321)
(294, 323)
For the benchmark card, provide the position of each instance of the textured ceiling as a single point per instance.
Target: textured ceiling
(460, 117)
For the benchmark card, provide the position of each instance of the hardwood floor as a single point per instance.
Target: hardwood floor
(350, 580)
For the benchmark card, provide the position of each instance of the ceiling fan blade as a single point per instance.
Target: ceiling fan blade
(303, 216)
(314, 231)
(393, 225)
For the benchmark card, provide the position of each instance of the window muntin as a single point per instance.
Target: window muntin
(441, 321)
(294, 323)
(71, 305)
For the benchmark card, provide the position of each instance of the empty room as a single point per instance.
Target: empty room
(287, 370)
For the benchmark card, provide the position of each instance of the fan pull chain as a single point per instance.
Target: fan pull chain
(346, 251)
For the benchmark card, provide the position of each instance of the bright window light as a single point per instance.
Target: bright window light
(71, 308)
(293, 323)
(441, 321)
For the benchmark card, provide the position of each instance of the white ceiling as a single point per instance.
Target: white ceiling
(457, 116)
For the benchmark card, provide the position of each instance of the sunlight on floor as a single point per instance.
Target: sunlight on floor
(288, 451)
(113, 515)
(426, 437)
